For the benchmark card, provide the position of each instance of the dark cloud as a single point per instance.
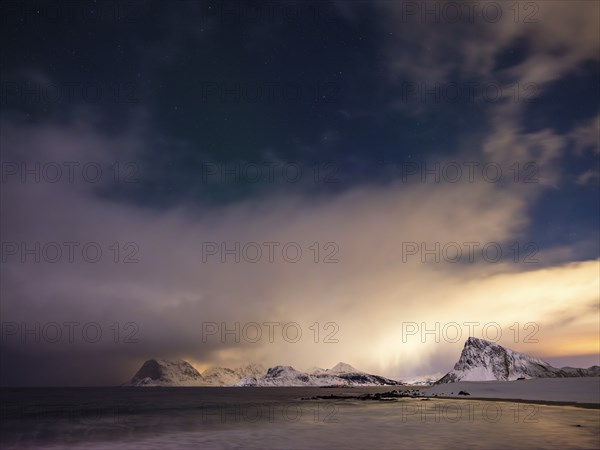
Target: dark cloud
(162, 169)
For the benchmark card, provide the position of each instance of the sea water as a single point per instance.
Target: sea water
(102, 418)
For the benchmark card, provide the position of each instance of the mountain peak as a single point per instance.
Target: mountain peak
(341, 374)
(163, 372)
(342, 367)
(481, 360)
(479, 343)
(158, 372)
(224, 376)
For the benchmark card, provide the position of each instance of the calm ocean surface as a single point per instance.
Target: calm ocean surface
(161, 418)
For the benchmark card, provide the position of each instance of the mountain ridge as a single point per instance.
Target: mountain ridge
(341, 374)
(164, 372)
(161, 372)
(481, 360)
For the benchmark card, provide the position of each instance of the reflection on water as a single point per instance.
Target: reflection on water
(277, 418)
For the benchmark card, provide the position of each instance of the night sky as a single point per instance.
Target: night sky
(303, 122)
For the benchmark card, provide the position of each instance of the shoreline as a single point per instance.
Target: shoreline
(518, 400)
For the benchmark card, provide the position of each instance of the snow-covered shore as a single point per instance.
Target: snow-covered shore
(571, 390)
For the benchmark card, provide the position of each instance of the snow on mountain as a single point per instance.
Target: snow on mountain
(223, 376)
(338, 368)
(337, 376)
(281, 376)
(571, 389)
(247, 382)
(422, 380)
(593, 371)
(481, 360)
(314, 370)
(161, 372)
(255, 370)
(343, 368)
(220, 376)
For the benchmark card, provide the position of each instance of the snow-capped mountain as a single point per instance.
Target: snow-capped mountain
(593, 371)
(223, 376)
(423, 380)
(280, 376)
(315, 370)
(161, 372)
(343, 368)
(340, 375)
(481, 360)
(219, 376)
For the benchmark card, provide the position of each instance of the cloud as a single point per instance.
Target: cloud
(586, 137)
(558, 37)
(423, 45)
(171, 292)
